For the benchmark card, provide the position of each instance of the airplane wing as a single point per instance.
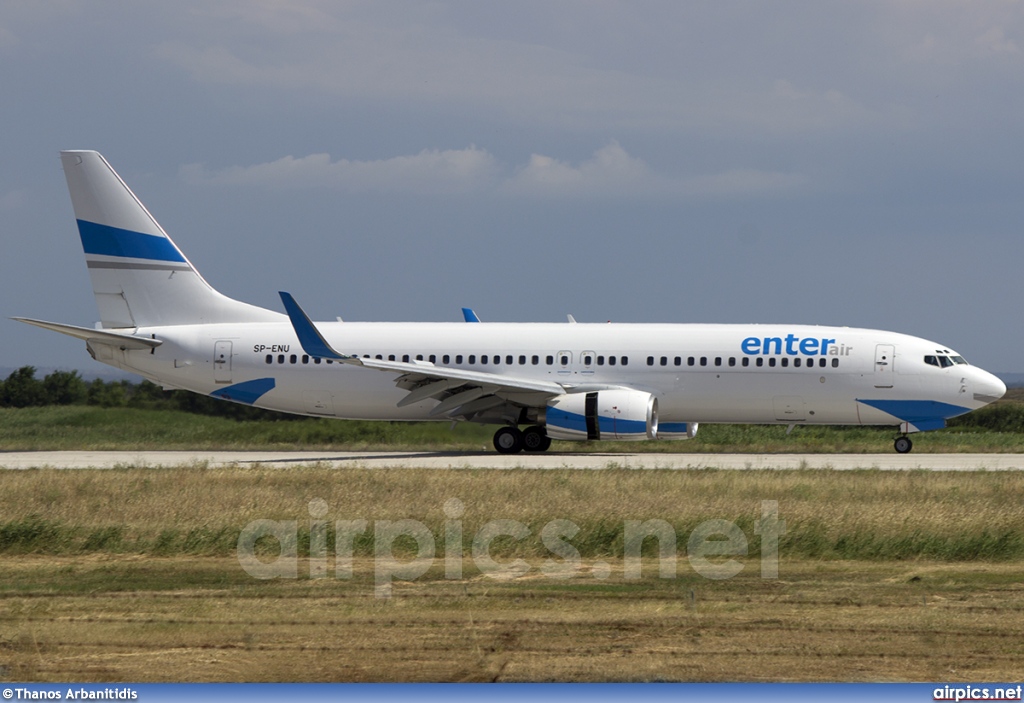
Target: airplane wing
(461, 392)
(114, 339)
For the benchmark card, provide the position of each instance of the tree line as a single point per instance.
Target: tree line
(23, 390)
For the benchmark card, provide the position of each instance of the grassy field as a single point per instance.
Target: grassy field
(200, 619)
(95, 428)
(131, 574)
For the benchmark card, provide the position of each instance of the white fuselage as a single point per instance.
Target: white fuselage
(699, 373)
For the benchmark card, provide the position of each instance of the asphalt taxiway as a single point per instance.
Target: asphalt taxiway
(491, 460)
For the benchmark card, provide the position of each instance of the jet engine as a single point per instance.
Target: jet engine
(677, 430)
(611, 415)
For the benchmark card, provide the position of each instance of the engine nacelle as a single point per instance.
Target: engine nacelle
(677, 430)
(612, 414)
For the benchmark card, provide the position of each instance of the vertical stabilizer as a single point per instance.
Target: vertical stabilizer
(140, 278)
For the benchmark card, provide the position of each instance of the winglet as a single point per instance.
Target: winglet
(469, 316)
(309, 336)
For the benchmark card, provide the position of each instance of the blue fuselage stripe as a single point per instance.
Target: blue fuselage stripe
(925, 414)
(247, 392)
(112, 241)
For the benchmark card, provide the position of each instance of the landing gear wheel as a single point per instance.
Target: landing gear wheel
(903, 445)
(535, 439)
(508, 440)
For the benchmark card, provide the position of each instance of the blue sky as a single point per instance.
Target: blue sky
(851, 164)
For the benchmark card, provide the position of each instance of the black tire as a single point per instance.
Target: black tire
(535, 439)
(903, 445)
(508, 440)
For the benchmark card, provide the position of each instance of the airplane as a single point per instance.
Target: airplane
(583, 382)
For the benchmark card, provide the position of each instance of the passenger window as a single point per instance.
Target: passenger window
(732, 361)
(760, 361)
(600, 361)
(549, 360)
(835, 363)
(405, 358)
(611, 361)
(822, 362)
(483, 359)
(785, 361)
(522, 360)
(432, 358)
(664, 361)
(446, 359)
(796, 362)
(316, 360)
(771, 361)
(624, 361)
(509, 360)
(391, 357)
(650, 361)
(472, 358)
(690, 361)
(305, 358)
(746, 361)
(458, 358)
(534, 359)
(419, 357)
(270, 358)
(718, 361)
(280, 358)
(679, 361)
(703, 361)
(588, 360)
(565, 360)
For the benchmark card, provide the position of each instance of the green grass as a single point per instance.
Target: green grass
(83, 427)
(829, 515)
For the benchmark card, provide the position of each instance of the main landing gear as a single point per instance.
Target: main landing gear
(510, 440)
(903, 445)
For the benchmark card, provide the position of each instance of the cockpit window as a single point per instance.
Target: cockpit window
(943, 361)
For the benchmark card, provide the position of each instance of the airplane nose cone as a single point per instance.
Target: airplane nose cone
(989, 388)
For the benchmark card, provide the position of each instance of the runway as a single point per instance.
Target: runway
(489, 460)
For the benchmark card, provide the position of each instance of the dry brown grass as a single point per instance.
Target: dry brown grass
(948, 505)
(818, 622)
(118, 613)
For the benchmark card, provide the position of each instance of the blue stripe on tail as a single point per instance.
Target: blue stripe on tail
(112, 241)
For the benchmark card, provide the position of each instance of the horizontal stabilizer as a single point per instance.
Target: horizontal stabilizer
(116, 339)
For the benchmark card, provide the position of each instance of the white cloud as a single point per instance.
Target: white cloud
(995, 41)
(610, 172)
(430, 171)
